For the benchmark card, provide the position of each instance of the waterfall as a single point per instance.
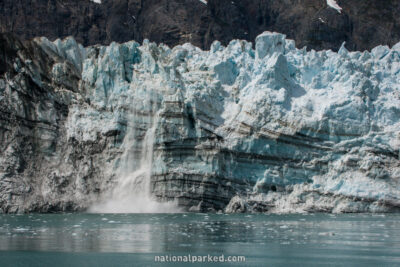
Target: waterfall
(132, 192)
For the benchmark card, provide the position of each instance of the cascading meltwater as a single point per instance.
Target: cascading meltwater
(132, 191)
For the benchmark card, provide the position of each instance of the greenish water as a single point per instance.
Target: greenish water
(136, 239)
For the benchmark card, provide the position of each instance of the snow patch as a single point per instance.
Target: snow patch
(203, 1)
(96, 1)
(334, 5)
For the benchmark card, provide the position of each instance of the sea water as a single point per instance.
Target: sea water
(138, 239)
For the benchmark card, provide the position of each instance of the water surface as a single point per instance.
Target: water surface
(135, 239)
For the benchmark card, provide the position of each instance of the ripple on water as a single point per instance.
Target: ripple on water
(339, 236)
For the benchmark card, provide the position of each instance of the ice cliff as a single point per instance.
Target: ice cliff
(274, 128)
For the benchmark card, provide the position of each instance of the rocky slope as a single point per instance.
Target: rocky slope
(363, 24)
(273, 128)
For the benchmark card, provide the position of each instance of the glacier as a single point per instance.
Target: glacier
(243, 128)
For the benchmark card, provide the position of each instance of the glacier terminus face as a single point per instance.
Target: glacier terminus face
(147, 128)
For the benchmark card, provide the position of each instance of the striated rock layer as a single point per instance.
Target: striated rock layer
(273, 128)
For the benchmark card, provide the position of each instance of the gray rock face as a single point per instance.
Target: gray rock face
(362, 24)
(273, 128)
(40, 168)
